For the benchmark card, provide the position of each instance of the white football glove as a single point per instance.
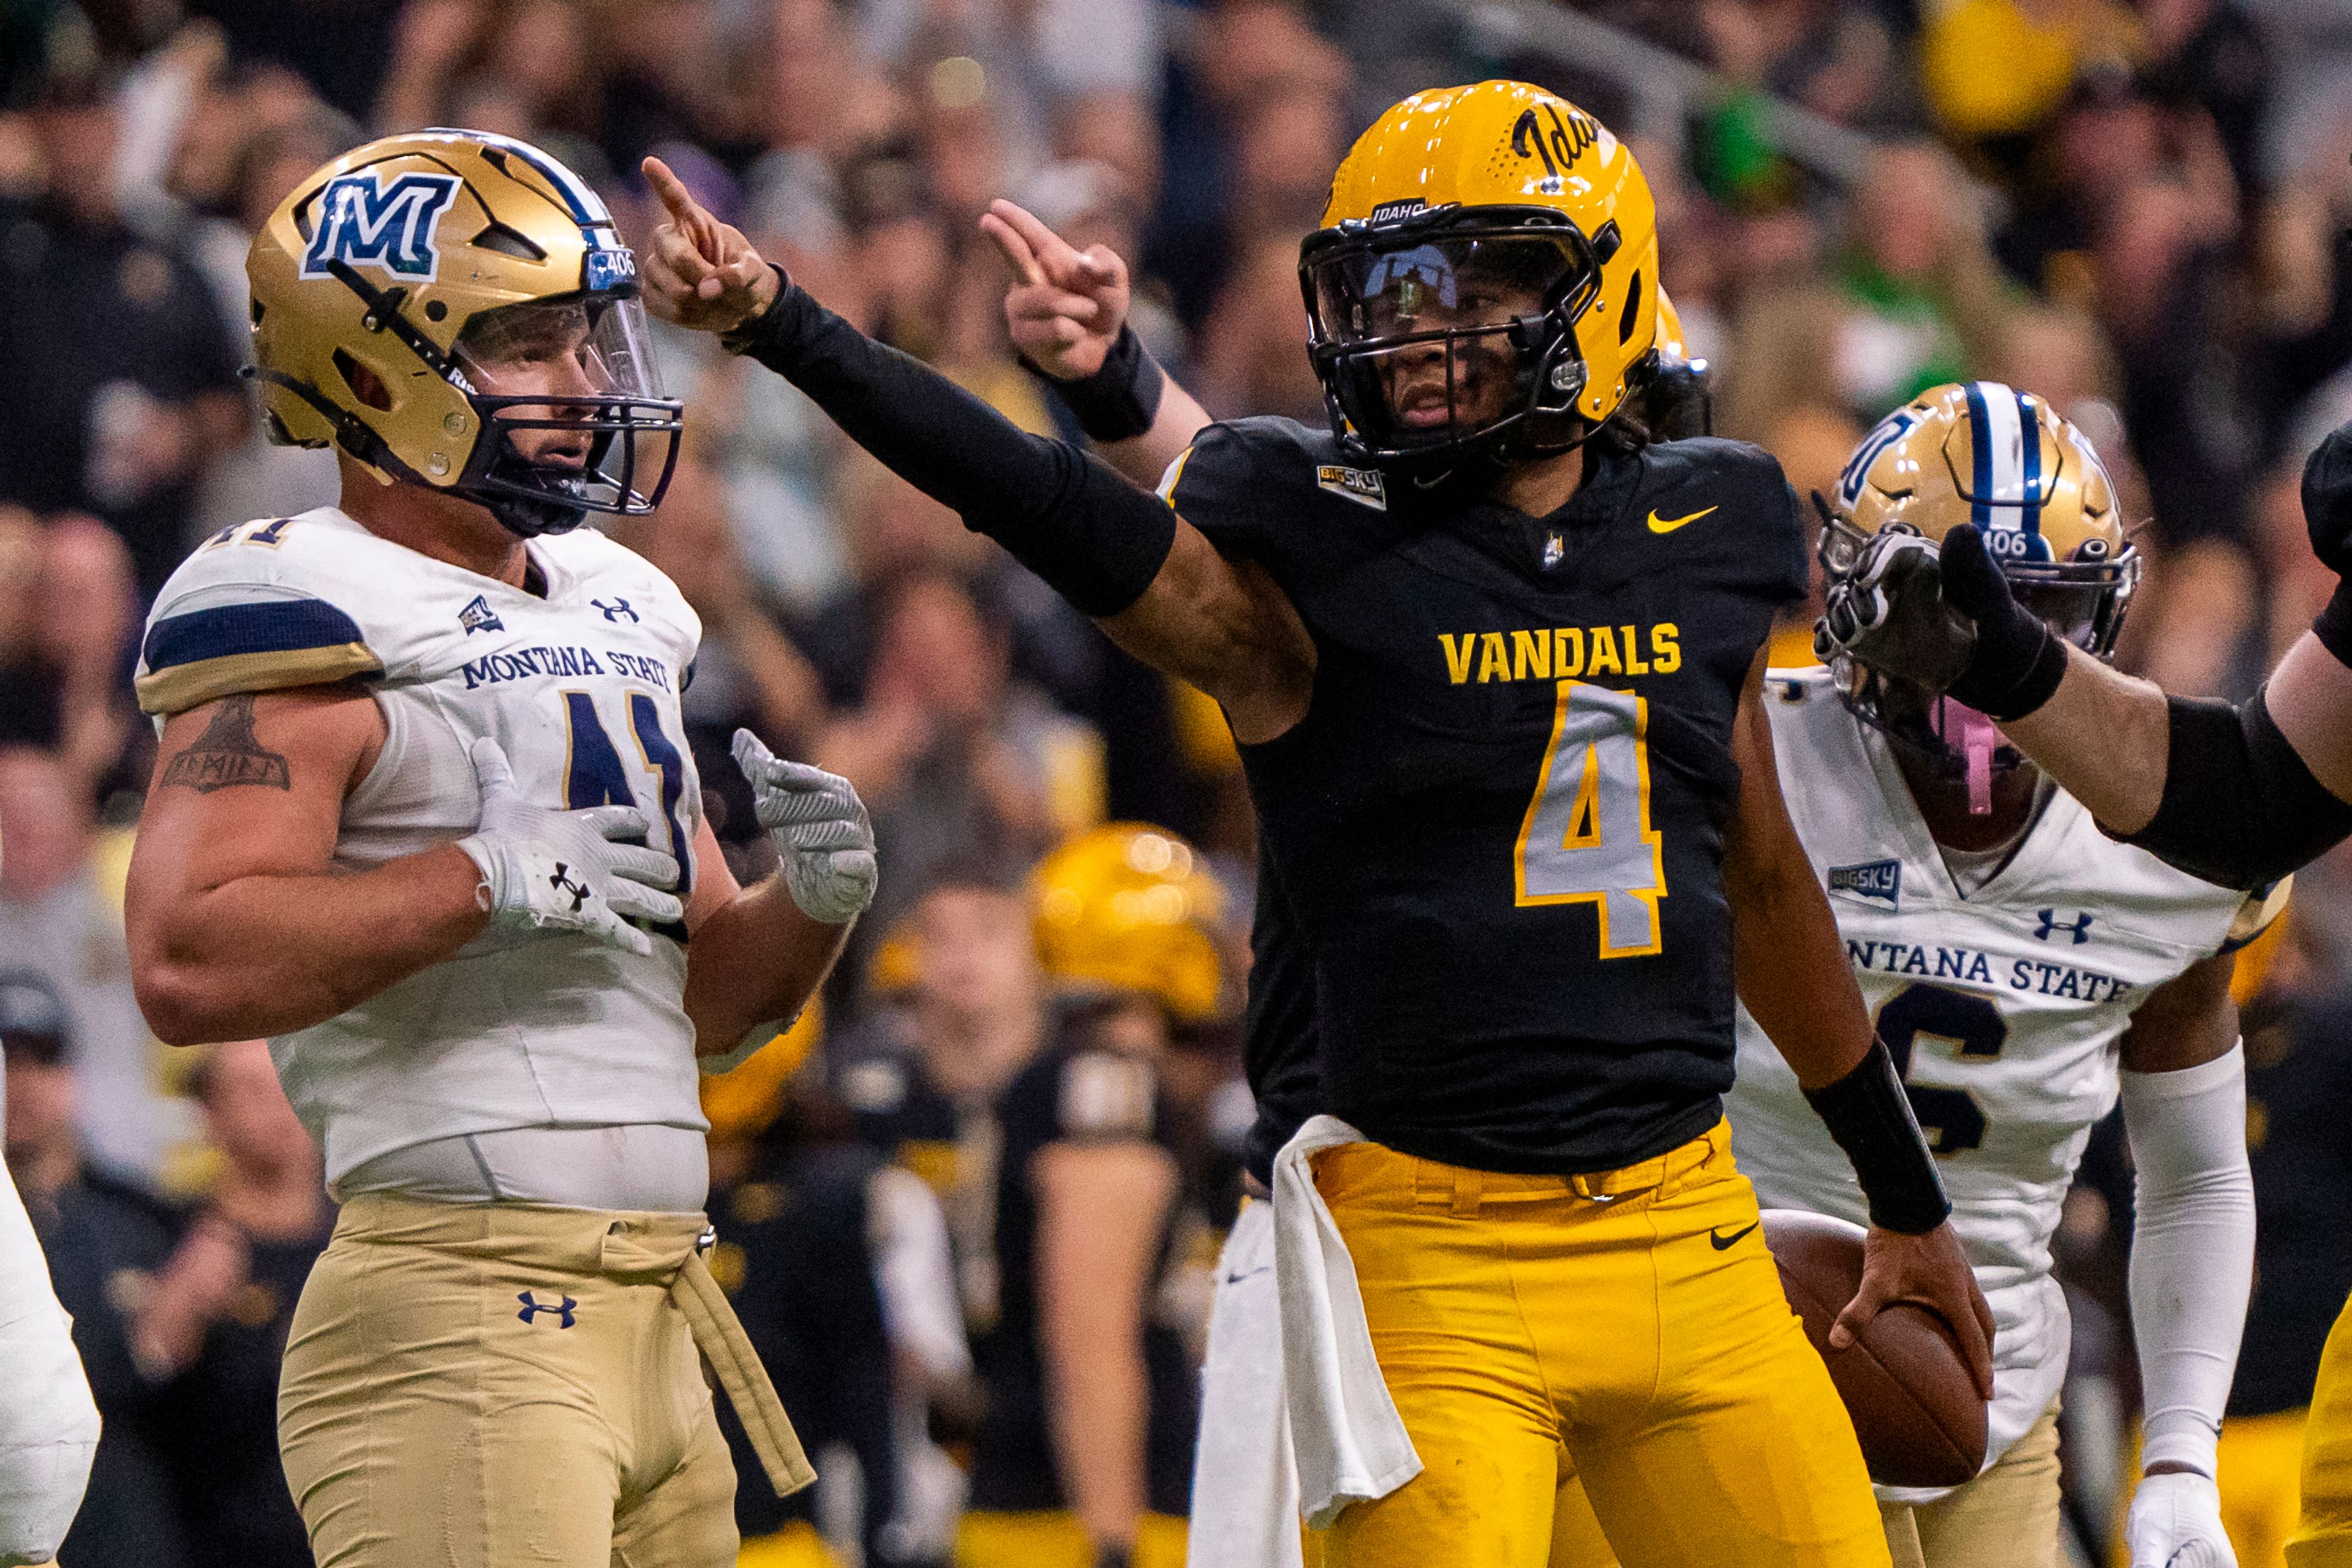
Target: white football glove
(819, 827)
(562, 870)
(2175, 1522)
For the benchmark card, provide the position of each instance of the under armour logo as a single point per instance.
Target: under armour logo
(2051, 924)
(616, 609)
(562, 883)
(532, 1308)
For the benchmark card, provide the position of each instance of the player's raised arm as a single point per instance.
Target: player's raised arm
(1066, 310)
(1790, 969)
(2238, 795)
(1116, 554)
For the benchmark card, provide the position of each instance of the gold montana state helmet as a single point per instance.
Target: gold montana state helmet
(1131, 908)
(455, 310)
(2005, 460)
(1499, 195)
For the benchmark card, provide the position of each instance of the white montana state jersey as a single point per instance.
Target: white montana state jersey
(2004, 1009)
(581, 688)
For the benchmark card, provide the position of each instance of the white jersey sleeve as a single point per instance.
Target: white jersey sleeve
(2003, 1009)
(579, 684)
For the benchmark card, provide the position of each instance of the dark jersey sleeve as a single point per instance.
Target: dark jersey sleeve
(2240, 806)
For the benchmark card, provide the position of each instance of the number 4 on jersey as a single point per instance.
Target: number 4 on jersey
(1587, 836)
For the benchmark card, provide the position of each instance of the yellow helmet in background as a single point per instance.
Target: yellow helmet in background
(1502, 193)
(1131, 908)
(1982, 452)
(426, 299)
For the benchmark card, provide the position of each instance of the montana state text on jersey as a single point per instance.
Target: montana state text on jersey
(1500, 822)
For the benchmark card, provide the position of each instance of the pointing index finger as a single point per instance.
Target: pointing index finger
(1052, 252)
(683, 210)
(1012, 248)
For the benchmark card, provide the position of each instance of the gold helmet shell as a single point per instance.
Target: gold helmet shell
(1984, 453)
(379, 279)
(1525, 175)
(1127, 907)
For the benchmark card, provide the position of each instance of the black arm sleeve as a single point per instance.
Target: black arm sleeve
(1095, 538)
(2240, 808)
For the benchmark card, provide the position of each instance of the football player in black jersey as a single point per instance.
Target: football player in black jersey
(1494, 668)
(1067, 312)
(1086, 1454)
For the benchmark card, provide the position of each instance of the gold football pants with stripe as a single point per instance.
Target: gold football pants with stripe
(1626, 1329)
(491, 1385)
(2323, 1538)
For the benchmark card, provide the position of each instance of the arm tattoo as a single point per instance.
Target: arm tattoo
(228, 754)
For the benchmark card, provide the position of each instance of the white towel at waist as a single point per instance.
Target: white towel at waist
(1349, 1441)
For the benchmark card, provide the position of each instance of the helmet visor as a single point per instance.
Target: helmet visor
(572, 401)
(1433, 283)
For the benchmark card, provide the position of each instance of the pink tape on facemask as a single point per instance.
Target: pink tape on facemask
(1978, 738)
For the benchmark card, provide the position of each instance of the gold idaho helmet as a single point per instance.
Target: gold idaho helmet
(1131, 908)
(455, 310)
(1485, 277)
(1984, 453)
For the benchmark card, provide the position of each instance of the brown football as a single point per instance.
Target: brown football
(1914, 1405)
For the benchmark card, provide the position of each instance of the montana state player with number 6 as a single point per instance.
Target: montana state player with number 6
(2026, 971)
(424, 814)
(1495, 667)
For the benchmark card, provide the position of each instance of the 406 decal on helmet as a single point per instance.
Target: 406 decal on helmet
(455, 309)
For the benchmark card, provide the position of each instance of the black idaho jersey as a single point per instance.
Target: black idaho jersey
(1279, 1055)
(1499, 826)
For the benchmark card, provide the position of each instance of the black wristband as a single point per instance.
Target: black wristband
(1870, 1116)
(1120, 399)
(2333, 626)
(2042, 654)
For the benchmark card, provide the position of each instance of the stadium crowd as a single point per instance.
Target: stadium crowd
(2137, 210)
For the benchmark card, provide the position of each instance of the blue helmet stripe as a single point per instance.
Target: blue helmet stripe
(2029, 426)
(1981, 443)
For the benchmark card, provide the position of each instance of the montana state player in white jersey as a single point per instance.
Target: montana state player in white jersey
(2025, 969)
(424, 814)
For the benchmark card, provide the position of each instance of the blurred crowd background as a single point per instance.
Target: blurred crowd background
(2137, 210)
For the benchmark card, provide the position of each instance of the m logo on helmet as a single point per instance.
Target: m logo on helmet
(364, 223)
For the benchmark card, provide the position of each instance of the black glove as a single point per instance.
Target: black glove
(1944, 619)
(2018, 661)
(2327, 515)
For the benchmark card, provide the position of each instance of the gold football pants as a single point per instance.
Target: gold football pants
(2260, 1464)
(494, 1386)
(2007, 1517)
(1626, 1329)
(2323, 1538)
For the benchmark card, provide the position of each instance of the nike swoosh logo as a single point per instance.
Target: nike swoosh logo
(1236, 1278)
(1725, 1243)
(1668, 525)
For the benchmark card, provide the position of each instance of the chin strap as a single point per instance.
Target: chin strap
(1978, 738)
